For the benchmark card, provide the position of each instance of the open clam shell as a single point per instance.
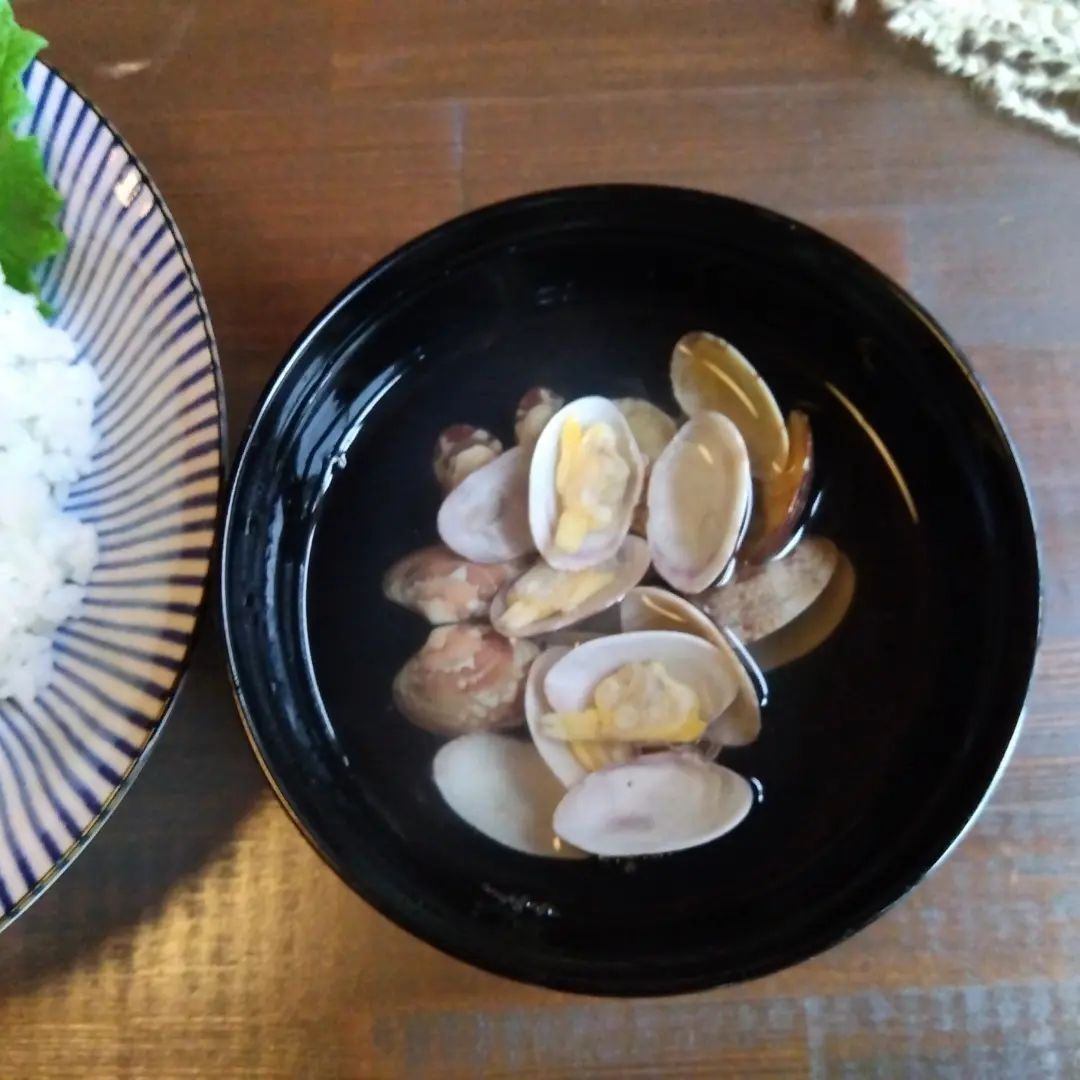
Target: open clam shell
(759, 600)
(657, 803)
(545, 502)
(699, 502)
(814, 626)
(486, 517)
(710, 374)
(501, 787)
(650, 608)
(570, 682)
(465, 678)
(445, 588)
(624, 570)
(568, 761)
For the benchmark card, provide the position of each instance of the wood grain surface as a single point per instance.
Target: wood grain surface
(298, 140)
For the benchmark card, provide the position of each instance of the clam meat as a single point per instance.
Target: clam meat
(645, 687)
(544, 599)
(584, 482)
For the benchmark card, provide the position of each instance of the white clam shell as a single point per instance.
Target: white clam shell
(486, 517)
(556, 753)
(658, 803)
(502, 788)
(543, 498)
(570, 682)
(650, 608)
(699, 502)
(629, 565)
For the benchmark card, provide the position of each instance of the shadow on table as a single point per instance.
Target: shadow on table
(197, 785)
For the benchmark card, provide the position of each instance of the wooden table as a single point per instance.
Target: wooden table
(296, 141)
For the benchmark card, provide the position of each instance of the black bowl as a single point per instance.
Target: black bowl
(877, 749)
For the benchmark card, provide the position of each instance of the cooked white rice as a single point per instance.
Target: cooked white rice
(46, 440)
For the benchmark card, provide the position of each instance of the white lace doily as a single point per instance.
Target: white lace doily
(1024, 53)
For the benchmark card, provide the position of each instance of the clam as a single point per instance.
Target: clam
(740, 723)
(699, 502)
(445, 588)
(761, 599)
(536, 407)
(650, 608)
(500, 787)
(584, 482)
(810, 629)
(459, 451)
(644, 687)
(710, 374)
(569, 761)
(486, 517)
(544, 599)
(657, 803)
(465, 678)
(556, 753)
(652, 429)
(780, 501)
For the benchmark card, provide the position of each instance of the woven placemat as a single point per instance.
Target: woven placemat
(1024, 53)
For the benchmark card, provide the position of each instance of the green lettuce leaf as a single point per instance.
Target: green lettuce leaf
(28, 202)
(17, 48)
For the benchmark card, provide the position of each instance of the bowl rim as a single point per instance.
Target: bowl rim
(113, 799)
(573, 980)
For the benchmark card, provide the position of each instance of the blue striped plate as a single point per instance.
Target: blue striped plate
(126, 292)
